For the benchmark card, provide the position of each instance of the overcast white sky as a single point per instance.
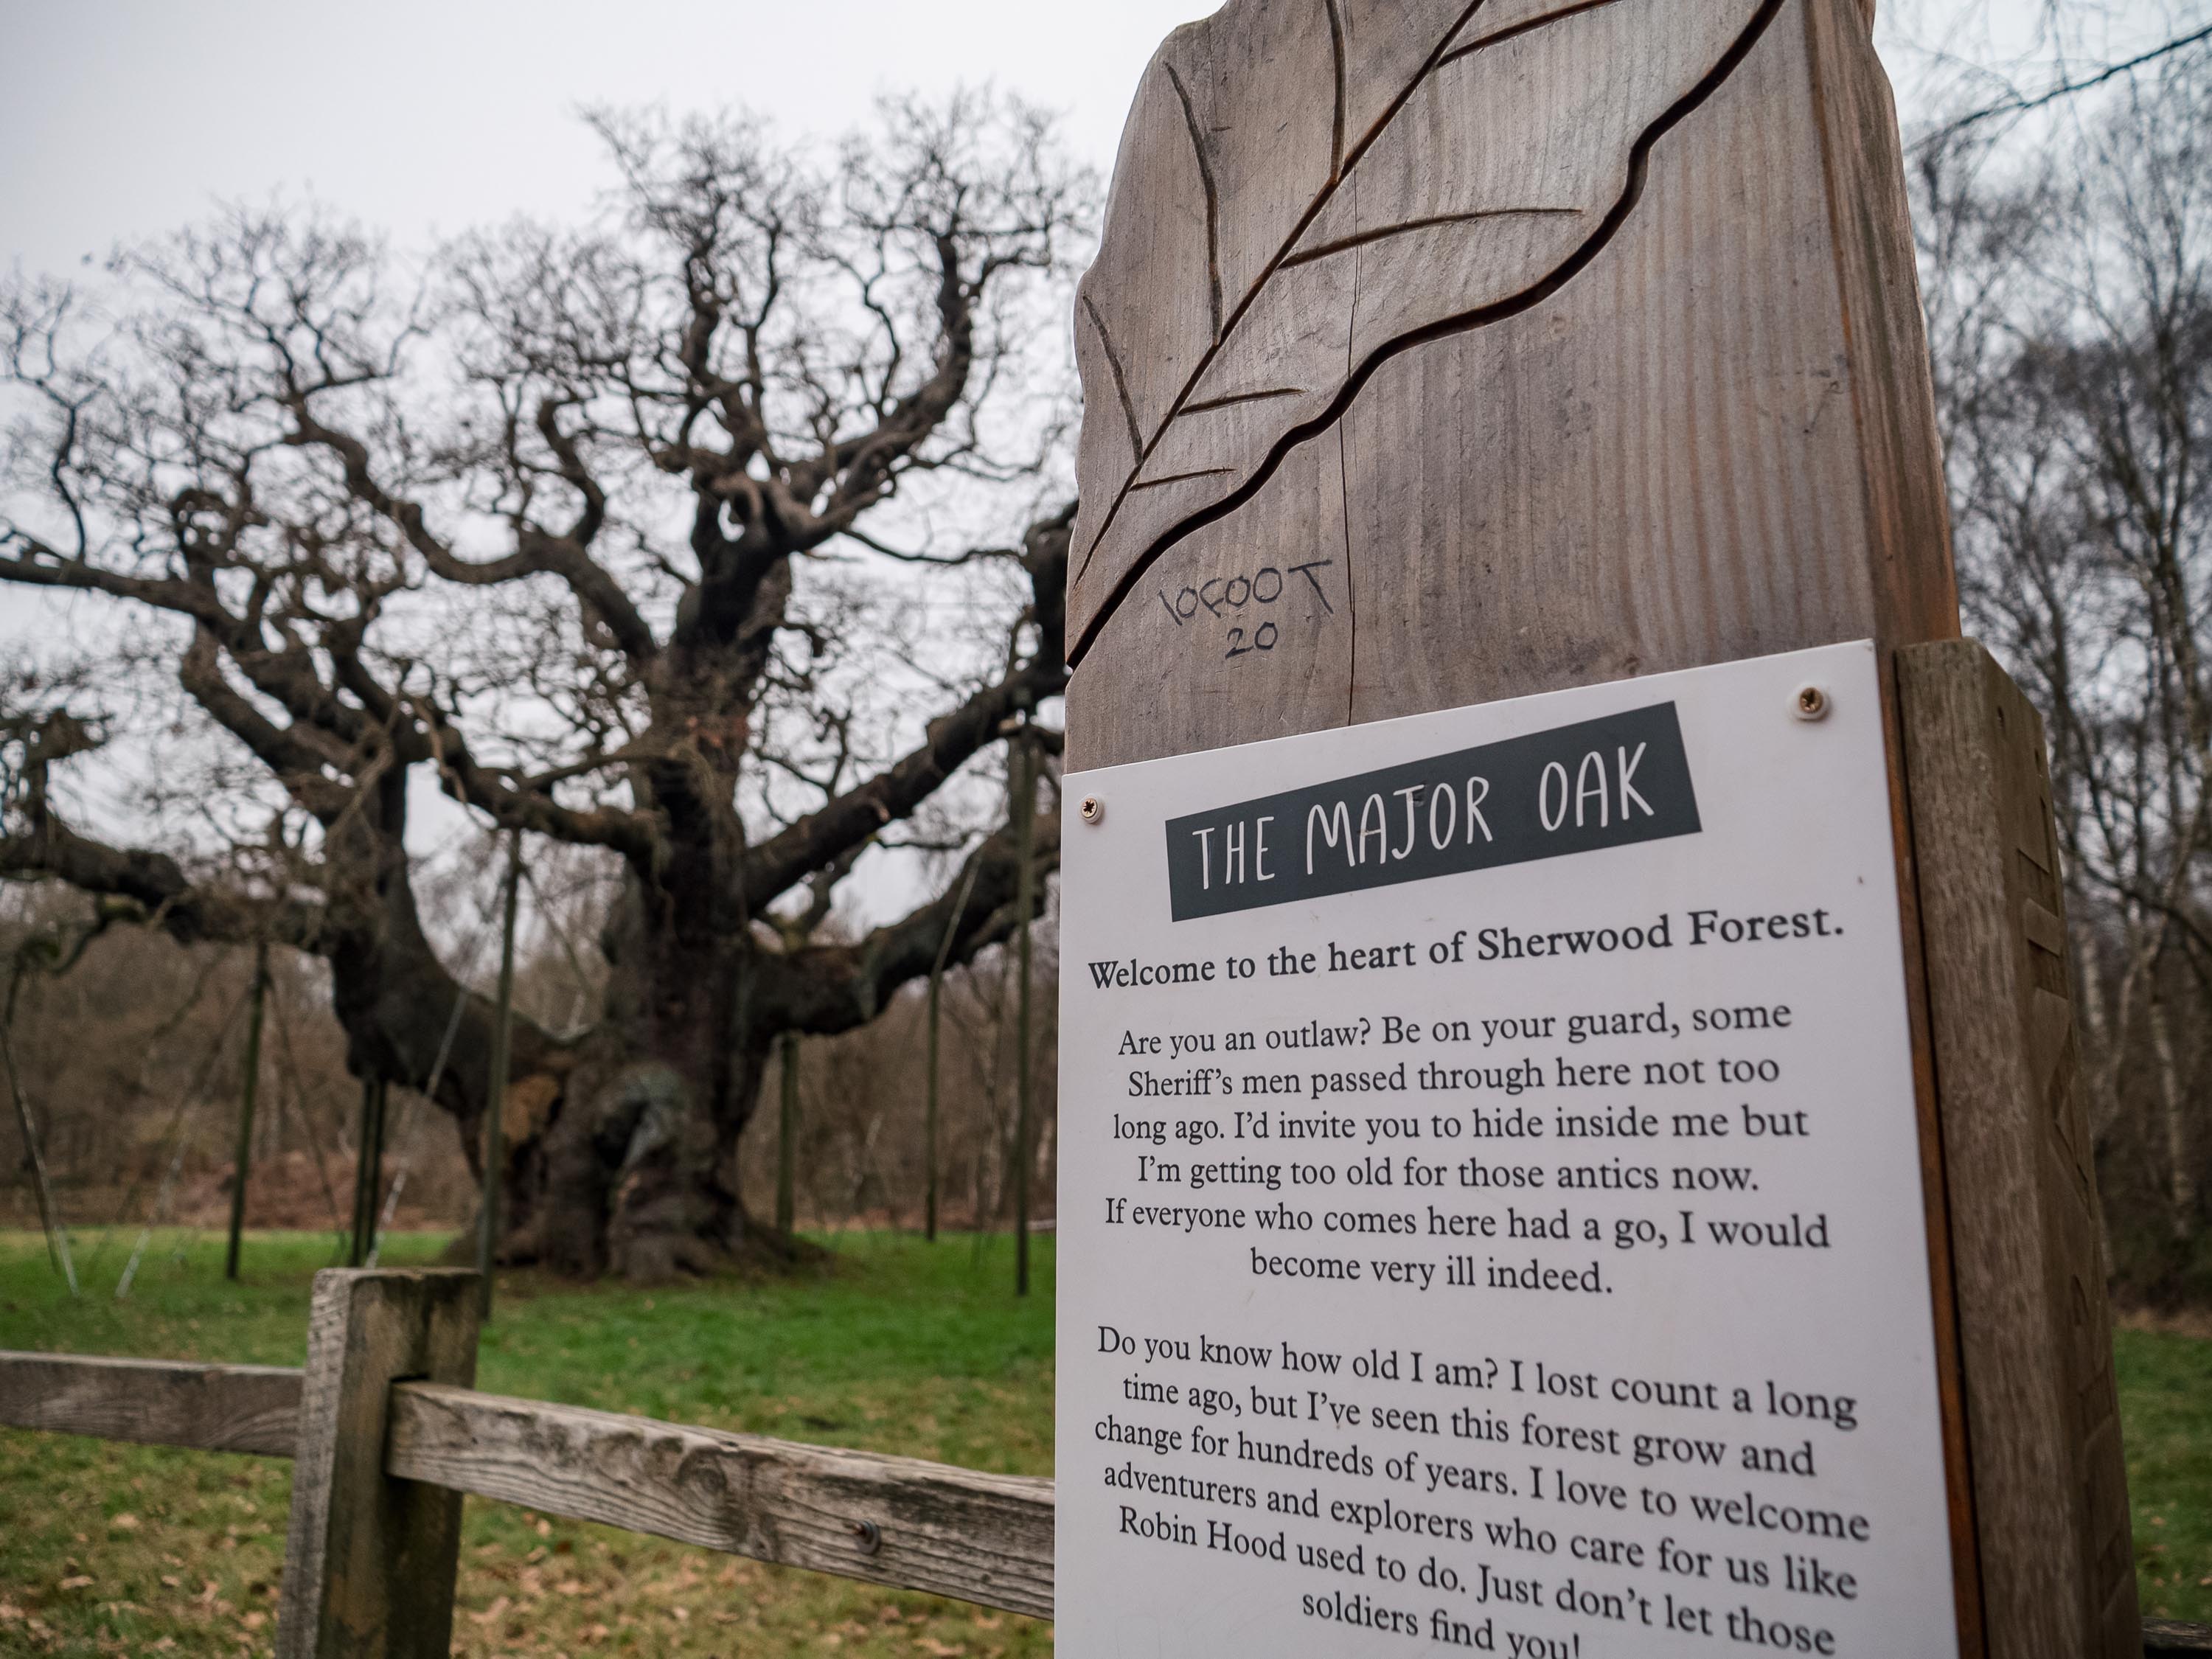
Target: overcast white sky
(124, 117)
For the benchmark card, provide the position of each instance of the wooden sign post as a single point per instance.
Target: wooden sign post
(1443, 352)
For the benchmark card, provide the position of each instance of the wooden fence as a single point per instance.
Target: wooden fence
(388, 1433)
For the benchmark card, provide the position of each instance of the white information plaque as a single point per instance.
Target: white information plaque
(1491, 1215)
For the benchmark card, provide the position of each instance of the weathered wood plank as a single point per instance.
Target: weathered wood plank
(155, 1402)
(979, 1537)
(1429, 167)
(2042, 1405)
(1706, 435)
(894, 1521)
(369, 1559)
(1712, 442)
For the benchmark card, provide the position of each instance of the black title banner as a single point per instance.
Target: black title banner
(1609, 783)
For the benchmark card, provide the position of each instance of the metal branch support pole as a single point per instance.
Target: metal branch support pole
(242, 1165)
(1025, 813)
(57, 1246)
(368, 1170)
(929, 1106)
(786, 1160)
(936, 1011)
(495, 1141)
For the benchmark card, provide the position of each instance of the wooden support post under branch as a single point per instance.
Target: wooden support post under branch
(369, 1560)
(787, 1137)
(489, 1226)
(896, 1521)
(1024, 807)
(241, 1167)
(368, 1172)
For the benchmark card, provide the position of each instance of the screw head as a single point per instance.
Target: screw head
(1093, 809)
(1810, 704)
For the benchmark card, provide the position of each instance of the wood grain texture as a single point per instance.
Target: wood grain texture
(1244, 629)
(1959, 1495)
(154, 1402)
(895, 1521)
(1711, 436)
(1343, 179)
(2043, 1410)
(369, 1560)
(2164, 1639)
(1714, 442)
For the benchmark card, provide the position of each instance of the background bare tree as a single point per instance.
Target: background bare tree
(632, 539)
(2069, 295)
(1998, 64)
(860, 1149)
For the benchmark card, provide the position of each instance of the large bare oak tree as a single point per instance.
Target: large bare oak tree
(632, 538)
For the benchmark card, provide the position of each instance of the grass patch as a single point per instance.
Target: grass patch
(895, 1346)
(2165, 1411)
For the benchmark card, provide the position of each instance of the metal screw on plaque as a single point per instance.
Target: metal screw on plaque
(871, 1536)
(1811, 703)
(1094, 809)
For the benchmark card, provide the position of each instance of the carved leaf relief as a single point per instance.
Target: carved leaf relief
(1304, 185)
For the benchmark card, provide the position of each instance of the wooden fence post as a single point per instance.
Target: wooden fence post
(369, 1561)
(2035, 1332)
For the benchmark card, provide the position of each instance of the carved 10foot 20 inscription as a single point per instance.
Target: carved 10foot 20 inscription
(1444, 351)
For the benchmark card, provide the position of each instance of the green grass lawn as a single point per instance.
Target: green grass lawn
(896, 1347)
(2166, 1411)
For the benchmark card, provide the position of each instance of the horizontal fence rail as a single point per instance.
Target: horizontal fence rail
(156, 1403)
(896, 1521)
